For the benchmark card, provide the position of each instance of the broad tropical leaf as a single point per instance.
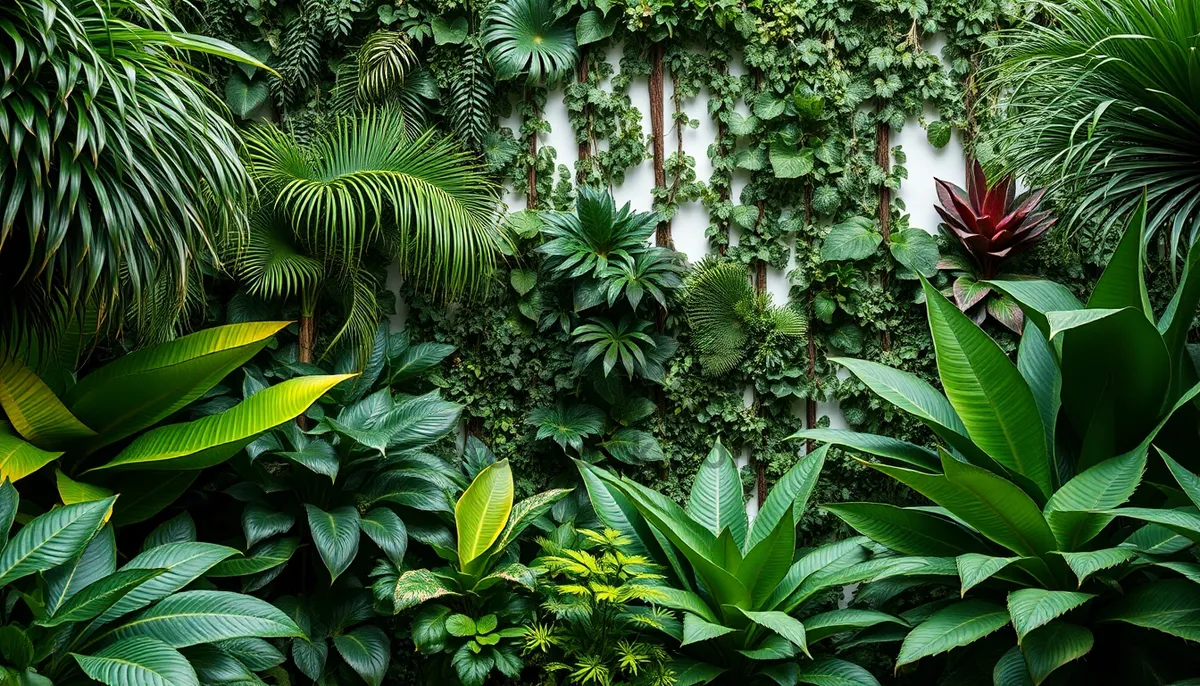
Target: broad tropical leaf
(195, 617)
(367, 650)
(482, 512)
(336, 535)
(140, 660)
(716, 498)
(52, 539)
(957, 625)
(1031, 608)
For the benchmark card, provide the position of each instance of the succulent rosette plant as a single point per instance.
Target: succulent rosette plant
(991, 224)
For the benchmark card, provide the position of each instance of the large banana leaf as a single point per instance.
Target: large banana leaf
(214, 439)
(139, 661)
(52, 539)
(35, 412)
(482, 512)
(183, 563)
(195, 617)
(988, 393)
(716, 498)
(142, 388)
(20, 458)
(908, 531)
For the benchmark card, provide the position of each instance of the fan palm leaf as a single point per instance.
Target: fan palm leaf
(120, 167)
(1102, 101)
(272, 264)
(368, 182)
(523, 37)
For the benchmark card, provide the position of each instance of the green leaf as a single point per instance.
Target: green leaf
(915, 249)
(1037, 297)
(145, 494)
(98, 560)
(144, 387)
(367, 650)
(633, 446)
(592, 27)
(215, 438)
(1123, 282)
(880, 446)
(15, 646)
(179, 529)
(790, 161)
(447, 32)
(266, 555)
(690, 673)
(195, 617)
(523, 280)
(259, 523)
(183, 562)
(1171, 606)
(781, 623)
(766, 564)
(9, 501)
(1053, 646)
(1010, 669)
(1038, 365)
(472, 668)
(938, 133)
(908, 531)
(138, 661)
(853, 239)
(335, 535)
(255, 653)
(988, 393)
(974, 568)
(460, 625)
(385, 528)
(696, 629)
(214, 666)
(52, 539)
(99, 596)
(482, 512)
(716, 498)
(429, 628)
(1086, 564)
(72, 492)
(768, 106)
(417, 586)
(957, 625)
(834, 622)
(790, 492)
(35, 411)
(830, 671)
(20, 458)
(568, 425)
(244, 94)
(318, 457)
(1031, 608)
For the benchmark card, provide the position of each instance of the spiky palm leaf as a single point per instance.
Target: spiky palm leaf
(469, 103)
(377, 73)
(272, 263)
(368, 182)
(584, 241)
(1102, 101)
(523, 37)
(119, 161)
(716, 291)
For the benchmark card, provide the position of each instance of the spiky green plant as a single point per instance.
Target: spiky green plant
(1101, 101)
(524, 37)
(120, 168)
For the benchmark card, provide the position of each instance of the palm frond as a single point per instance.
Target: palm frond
(362, 313)
(469, 103)
(524, 37)
(377, 73)
(367, 180)
(716, 291)
(271, 262)
(1103, 101)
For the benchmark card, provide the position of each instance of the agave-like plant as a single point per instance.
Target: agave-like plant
(525, 37)
(1100, 101)
(991, 224)
(740, 584)
(121, 169)
(1047, 519)
(367, 183)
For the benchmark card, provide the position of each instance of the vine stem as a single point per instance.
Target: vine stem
(531, 195)
(662, 235)
(585, 148)
(810, 404)
(883, 157)
(760, 285)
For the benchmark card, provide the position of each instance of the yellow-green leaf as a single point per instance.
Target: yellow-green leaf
(20, 458)
(35, 412)
(482, 511)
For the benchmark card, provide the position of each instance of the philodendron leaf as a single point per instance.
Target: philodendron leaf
(387, 530)
(482, 512)
(335, 535)
(957, 625)
(367, 650)
(140, 661)
(52, 539)
(853, 239)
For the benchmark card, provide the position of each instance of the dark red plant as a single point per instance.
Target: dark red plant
(991, 223)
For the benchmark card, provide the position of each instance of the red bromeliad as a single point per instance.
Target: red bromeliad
(992, 225)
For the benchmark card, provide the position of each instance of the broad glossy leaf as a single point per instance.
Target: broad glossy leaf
(52, 539)
(195, 617)
(20, 458)
(387, 530)
(1031, 608)
(36, 413)
(183, 562)
(691, 673)
(1038, 364)
(789, 493)
(1088, 563)
(974, 568)
(696, 629)
(685, 601)
(266, 555)
(260, 522)
(633, 446)
(1072, 511)
(144, 494)
(957, 625)
(402, 487)
(1010, 669)
(336, 536)
(367, 650)
(782, 624)
(1177, 318)
(767, 563)
(179, 529)
(1053, 646)
(881, 446)
(482, 512)
(98, 560)
(143, 387)
(255, 653)
(9, 501)
(214, 439)
(1171, 606)
(524, 514)
(830, 671)
(906, 391)
(827, 624)
(1037, 297)
(908, 531)
(1183, 521)
(417, 586)
(988, 393)
(617, 512)
(71, 491)
(214, 666)
(138, 661)
(1189, 482)
(99, 596)
(716, 498)
(1123, 282)
(317, 457)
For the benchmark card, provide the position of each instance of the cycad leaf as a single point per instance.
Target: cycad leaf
(138, 661)
(336, 536)
(957, 625)
(195, 617)
(52, 539)
(142, 388)
(482, 511)
(214, 439)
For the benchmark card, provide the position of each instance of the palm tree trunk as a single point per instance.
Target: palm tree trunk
(307, 335)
